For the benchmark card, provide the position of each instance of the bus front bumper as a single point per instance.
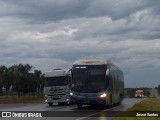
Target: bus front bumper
(89, 101)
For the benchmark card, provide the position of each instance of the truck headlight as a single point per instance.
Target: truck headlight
(45, 96)
(103, 95)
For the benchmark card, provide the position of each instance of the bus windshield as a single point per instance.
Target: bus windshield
(89, 78)
(56, 81)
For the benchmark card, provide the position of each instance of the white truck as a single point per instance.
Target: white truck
(57, 86)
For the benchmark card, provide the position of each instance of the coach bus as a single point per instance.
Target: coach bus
(96, 81)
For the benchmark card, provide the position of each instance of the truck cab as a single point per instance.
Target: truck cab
(139, 94)
(57, 86)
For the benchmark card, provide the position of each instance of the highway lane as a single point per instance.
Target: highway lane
(70, 112)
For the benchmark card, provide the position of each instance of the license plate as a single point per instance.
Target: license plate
(55, 96)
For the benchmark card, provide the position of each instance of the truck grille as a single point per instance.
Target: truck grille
(56, 91)
(56, 98)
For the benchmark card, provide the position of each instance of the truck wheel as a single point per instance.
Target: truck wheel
(62, 103)
(79, 106)
(50, 104)
(70, 103)
(59, 103)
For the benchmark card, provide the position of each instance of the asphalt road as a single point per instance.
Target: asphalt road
(69, 112)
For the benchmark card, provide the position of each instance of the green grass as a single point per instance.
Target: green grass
(150, 104)
(22, 99)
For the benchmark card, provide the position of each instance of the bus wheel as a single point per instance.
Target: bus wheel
(79, 106)
(50, 104)
(110, 102)
(120, 99)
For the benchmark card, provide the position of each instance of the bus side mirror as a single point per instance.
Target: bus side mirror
(69, 79)
(107, 72)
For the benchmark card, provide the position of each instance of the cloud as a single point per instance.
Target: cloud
(53, 10)
(50, 34)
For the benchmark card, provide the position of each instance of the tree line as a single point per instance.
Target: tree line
(130, 92)
(158, 89)
(20, 80)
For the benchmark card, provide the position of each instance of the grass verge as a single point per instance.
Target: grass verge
(22, 99)
(150, 105)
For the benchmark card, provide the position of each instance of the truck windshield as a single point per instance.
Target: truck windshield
(56, 81)
(89, 78)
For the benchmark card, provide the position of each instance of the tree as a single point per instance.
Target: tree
(158, 89)
(19, 77)
(37, 74)
(36, 82)
(4, 79)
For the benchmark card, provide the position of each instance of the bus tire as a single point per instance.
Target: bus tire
(120, 99)
(79, 106)
(110, 102)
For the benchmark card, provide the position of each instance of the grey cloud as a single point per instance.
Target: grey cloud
(121, 29)
(54, 10)
(45, 10)
(123, 16)
(53, 33)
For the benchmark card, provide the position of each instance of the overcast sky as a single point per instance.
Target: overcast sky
(52, 34)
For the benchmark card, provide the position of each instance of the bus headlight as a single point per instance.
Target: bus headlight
(71, 94)
(103, 95)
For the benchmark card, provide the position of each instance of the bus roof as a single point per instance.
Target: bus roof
(92, 61)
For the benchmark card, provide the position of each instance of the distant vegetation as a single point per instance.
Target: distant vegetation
(19, 80)
(158, 89)
(130, 92)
